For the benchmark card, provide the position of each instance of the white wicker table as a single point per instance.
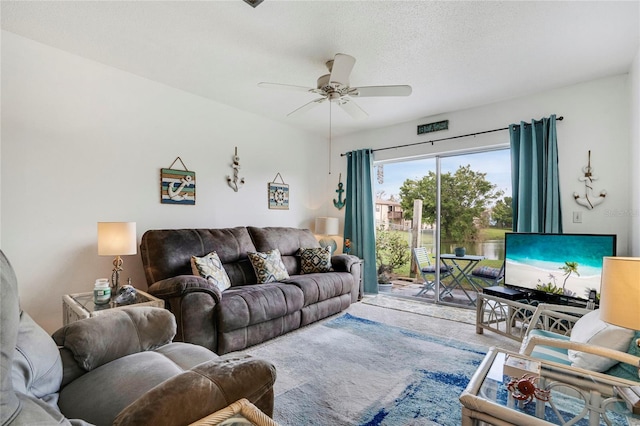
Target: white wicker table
(239, 413)
(79, 306)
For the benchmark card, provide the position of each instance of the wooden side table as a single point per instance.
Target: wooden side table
(79, 306)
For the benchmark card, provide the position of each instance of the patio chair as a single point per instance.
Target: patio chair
(489, 276)
(428, 271)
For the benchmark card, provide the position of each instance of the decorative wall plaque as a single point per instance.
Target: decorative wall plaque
(278, 194)
(177, 186)
(433, 127)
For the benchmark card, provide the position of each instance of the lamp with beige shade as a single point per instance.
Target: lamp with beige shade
(328, 226)
(620, 305)
(117, 239)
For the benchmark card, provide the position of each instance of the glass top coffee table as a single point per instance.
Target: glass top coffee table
(561, 395)
(78, 306)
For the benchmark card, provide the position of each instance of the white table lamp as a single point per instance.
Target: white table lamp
(117, 239)
(328, 226)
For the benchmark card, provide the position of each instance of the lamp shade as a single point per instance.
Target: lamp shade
(620, 291)
(327, 225)
(117, 238)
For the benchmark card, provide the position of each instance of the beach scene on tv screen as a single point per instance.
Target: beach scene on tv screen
(564, 264)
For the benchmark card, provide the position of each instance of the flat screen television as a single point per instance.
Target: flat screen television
(556, 267)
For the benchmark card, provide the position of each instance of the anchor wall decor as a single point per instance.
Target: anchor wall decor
(589, 200)
(177, 186)
(339, 204)
(234, 182)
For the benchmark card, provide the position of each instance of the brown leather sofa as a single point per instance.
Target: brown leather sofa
(247, 313)
(118, 368)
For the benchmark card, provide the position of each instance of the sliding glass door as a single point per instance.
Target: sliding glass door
(443, 203)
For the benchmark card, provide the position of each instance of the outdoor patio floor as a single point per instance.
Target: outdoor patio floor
(409, 288)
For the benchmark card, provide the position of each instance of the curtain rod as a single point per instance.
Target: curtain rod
(445, 139)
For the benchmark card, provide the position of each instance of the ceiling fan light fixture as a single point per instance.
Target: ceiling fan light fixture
(253, 3)
(334, 96)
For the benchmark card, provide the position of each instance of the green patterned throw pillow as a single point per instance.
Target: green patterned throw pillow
(268, 266)
(210, 267)
(315, 260)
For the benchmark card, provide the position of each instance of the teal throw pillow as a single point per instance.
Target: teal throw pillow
(316, 259)
(624, 370)
(210, 268)
(268, 266)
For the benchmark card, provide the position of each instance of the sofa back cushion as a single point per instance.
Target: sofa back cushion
(288, 240)
(167, 253)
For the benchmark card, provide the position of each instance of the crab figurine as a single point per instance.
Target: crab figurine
(524, 389)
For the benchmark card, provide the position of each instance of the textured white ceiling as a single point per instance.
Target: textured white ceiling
(454, 54)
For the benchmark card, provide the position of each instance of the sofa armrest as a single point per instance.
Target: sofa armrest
(118, 332)
(192, 299)
(206, 388)
(344, 262)
(183, 284)
(352, 264)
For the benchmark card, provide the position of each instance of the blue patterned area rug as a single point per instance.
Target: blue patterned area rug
(353, 371)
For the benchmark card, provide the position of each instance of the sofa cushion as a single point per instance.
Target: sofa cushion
(268, 266)
(487, 272)
(287, 240)
(322, 286)
(210, 267)
(316, 259)
(150, 369)
(253, 304)
(166, 253)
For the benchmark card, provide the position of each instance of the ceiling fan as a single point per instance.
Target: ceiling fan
(335, 88)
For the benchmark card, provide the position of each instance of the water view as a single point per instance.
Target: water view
(490, 249)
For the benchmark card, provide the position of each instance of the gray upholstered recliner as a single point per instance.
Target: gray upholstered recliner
(118, 368)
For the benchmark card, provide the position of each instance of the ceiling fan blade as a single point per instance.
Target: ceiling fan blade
(353, 109)
(368, 91)
(341, 69)
(287, 87)
(307, 106)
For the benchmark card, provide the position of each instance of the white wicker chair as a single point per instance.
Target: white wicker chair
(549, 337)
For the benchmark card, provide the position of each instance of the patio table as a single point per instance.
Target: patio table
(461, 267)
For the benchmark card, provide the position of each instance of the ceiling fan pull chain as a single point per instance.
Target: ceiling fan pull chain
(329, 137)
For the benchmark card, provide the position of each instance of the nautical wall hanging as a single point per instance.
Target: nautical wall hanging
(234, 182)
(177, 186)
(589, 200)
(278, 193)
(339, 204)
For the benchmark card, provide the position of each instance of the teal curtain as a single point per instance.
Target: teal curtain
(359, 223)
(534, 174)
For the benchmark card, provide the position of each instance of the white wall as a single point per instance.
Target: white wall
(83, 143)
(596, 118)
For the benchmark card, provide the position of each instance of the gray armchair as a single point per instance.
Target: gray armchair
(118, 368)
